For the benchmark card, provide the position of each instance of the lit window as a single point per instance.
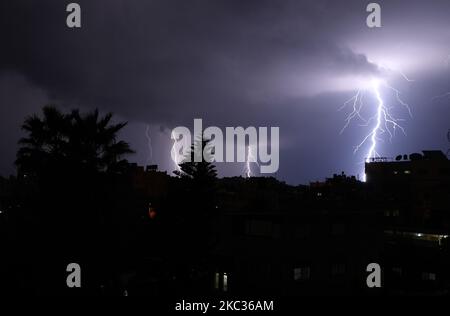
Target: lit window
(407, 172)
(225, 282)
(152, 213)
(442, 238)
(221, 281)
(302, 273)
(217, 281)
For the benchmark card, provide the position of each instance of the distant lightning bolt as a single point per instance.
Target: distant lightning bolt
(176, 156)
(149, 144)
(385, 122)
(250, 158)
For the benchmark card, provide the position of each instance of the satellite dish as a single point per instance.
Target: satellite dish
(415, 157)
(398, 158)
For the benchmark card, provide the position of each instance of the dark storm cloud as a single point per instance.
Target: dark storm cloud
(254, 62)
(159, 58)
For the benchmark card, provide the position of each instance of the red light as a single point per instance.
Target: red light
(152, 213)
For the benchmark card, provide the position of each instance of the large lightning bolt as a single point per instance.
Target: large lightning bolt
(383, 120)
(374, 134)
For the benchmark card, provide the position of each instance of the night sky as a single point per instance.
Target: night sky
(290, 64)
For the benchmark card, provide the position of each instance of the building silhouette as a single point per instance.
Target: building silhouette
(413, 195)
(279, 240)
(265, 238)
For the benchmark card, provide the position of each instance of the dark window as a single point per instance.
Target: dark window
(338, 229)
(302, 273)
(261, 228)
(338, 269)
(428, 276)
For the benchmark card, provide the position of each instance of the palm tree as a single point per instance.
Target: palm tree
(85, 141)
(93, 141)
(44, 143)
(75, 162)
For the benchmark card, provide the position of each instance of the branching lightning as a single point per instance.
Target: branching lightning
(384, 121)
(405, 76)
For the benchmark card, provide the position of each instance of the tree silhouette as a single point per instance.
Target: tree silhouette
(204, 172)
(196, 204)
(76, 163)
(88, 141)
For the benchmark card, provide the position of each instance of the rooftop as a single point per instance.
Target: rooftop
(426, 155)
